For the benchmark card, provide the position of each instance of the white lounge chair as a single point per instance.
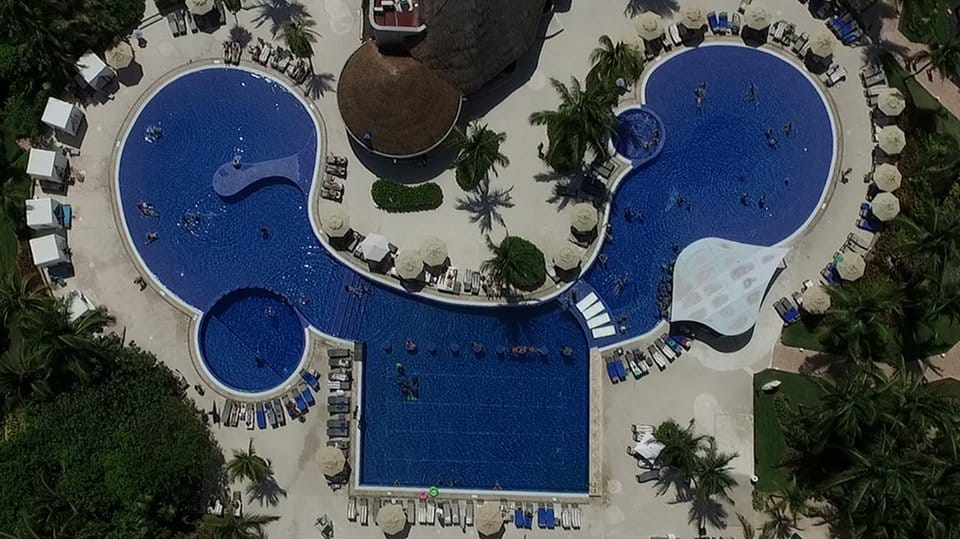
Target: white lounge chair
(674, 32)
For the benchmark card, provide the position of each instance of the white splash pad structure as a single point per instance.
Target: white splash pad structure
(721, 283)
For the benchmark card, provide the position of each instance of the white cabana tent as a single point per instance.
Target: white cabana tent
(47, 165)
(62, 116)
(49, 250)
(721, 283)
(43, 214)
(94, 71)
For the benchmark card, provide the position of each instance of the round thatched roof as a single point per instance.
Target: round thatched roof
(392, 519)
(469, 42)
(332, 461)
(405, 107)
(489, 519)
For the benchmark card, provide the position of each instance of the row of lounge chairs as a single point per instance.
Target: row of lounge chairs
(339, 384)
(281, 59)
(845, 28)
(335, 169)
(460, 513)
(663, 351)
(720, 24)
(549, 516)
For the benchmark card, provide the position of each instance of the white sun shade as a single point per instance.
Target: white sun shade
(49, 250)
(42, 214)
(46, 165)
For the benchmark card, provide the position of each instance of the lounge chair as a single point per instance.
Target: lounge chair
(337, 433)
(575, 516)
(652, 353)
(800, 43)
(191, 22)
(870, 70)
(712, 21)
(172, 22)
(879, 78)
(517, 518)
(338, 408)
(674, 32)
(735, 24)
(667, 352)
(829, 274)
(723, 22)
(869, 225)
(310, 379)
(541, 517)
(278, 408)
(621, 371)
(261, 417)
(301, 404)
(339, 352)
(838, 75)
(181, 22)
(612, 372)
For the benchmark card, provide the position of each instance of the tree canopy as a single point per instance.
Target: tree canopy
(517, 263)
(123, 457)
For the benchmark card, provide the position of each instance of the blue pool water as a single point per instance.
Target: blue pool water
(709, 159)
(479, 421)
(251, 339)
(639, 136)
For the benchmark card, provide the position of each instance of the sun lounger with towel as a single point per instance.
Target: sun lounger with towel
(712, 21)
(723, 22)
(674, 32)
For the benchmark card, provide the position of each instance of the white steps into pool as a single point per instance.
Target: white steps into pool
(594, 312)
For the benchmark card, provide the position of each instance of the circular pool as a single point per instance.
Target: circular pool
(252, 340)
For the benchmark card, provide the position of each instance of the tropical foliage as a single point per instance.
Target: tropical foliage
(612, 61)
(860, 322)
(230, 527)
(124, 456)
(40, 40)
(516, 263)
(248, 465)
(395, 197)
(300, 36)
(478, 154)
(944, 58)
(583, 121)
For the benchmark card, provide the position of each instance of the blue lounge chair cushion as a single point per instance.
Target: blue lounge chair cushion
(621, 371)
(723, 21)
(612, 373)
(541, 517)
(308, 396)
(261, 419)
(551, 518)
(301, 404)
(67, 215)
(518, 518)
(712, 19)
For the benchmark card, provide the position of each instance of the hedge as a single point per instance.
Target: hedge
(393, 197)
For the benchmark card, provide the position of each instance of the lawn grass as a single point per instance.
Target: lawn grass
(801, 335)
(926, 21)
(768, 442)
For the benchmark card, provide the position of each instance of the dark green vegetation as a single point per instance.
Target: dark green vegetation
(41, 40)
(394, 197)
(478, 154)
(926, 21)
(516, 263)
(698, 471)
(585, 119)
(907, 305)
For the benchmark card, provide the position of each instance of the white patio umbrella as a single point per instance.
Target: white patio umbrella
(885, 206)
(815, 300)
(566, 256)
(649, 25)
(335, 222)
(392, 519)
(119, 56)
(374, 248)
(583, 217)
(756, 17)
(489, 519)
(691, 16)
(891, 102)
(850, 266)
(200, 7)
(332, 461)
(409, 265)
(821, 44)
(887, 177)
(891, 140)
(433, 251)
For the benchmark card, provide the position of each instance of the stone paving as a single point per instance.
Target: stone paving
(712, 387)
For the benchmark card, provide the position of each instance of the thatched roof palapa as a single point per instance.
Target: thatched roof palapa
(405, 107)
(469, 42)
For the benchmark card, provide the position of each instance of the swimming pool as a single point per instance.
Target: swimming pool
(479, 422)
(711, 157)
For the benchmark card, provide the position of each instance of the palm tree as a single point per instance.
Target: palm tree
(748, 530)
(19, 294)
(615, 60)
(231, 527)
(712, 473)
(248, 465)
(478, 154)
(793, 501)
(942, 57)
(23, 377)
(584, 120)
(516, 263)
(847, 408)
(71, 347)
(300, 36)
(932, 234)
(860, 322)
(680, 447)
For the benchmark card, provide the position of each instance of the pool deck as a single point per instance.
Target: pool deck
(712, 387)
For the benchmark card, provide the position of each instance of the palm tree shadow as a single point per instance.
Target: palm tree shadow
(660, 7)
(709, 511)
(875, 50)
(279, 13)
(239, 34)
(267, 492)
(484, 205)
(318, 84)
(680, 485)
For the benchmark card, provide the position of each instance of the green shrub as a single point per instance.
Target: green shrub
(22, 112)
(393, 197)
(517, 263)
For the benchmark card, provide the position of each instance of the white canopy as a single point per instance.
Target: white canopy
(721, 283)
(94, 71)
(46, 165)
(200, 7)
(49, 250)
(42, 214)
(78, 305)
(62, 115)
(374, 248)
